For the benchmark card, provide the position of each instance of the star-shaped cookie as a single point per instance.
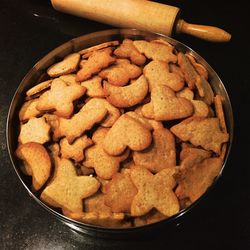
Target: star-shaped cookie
(165, 105)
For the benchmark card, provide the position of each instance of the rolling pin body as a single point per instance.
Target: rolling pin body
(139, 14)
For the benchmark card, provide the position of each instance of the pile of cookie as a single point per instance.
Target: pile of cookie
(122, 134)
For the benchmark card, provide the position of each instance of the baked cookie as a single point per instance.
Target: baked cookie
(120, 192)
(165, 105)
(36, 162)
(126, 96)
(154, 191)
(35, 130)
(60, 98)
(104, 164)
(84, 120)
(75, 150)
(121, 72)
(155, 50)
(158, 73)
(67, 65)
(134, 136)
(96, 62)
(160, 154)
(67, 190)
(128, 50)
(94, 87)
(204, 132)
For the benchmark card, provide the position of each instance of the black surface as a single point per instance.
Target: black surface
(28, 31)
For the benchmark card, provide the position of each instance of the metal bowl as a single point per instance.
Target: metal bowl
(76, 44)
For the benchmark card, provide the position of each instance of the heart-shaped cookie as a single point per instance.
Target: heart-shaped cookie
(161, 153)
(166, 106)
(158, 73)
(126, 132)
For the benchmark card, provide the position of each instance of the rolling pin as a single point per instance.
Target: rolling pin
(140, 14)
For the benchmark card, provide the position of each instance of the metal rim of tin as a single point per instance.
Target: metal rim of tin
(77, 44)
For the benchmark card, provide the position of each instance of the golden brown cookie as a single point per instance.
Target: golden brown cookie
(128, 50)
(188, 70)
(160, 154)
(37, 162)
(52, 120)
(220, 113)
(75, 150)
(96, 204)
(201, 109)
(166, 106)
(121, 72)
(105, 220)
(95, 157)
(97, 61)
(190, 156)
(39, 88)
(152, 123)
(186, 93)
(201, 70)
(158, 73)
(60, 98)
(126, 132)
(29, 110)
(67, 65)
(120, 192)
(84, 120)
(138, 117)
(198, 178)
(94, 87)
(205, 92)
(69, 79)
(98, 47)
(154, 191)
(98, 213)
(67, 190)
(204, 132)
(113, 112)
(156, 50)
(35, 130)
(127, 96)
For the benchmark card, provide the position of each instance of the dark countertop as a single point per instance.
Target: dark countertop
(29, 29)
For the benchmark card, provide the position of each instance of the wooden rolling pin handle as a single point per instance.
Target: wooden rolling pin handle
(208, 33)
